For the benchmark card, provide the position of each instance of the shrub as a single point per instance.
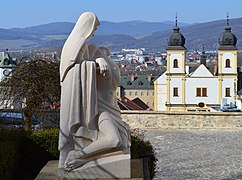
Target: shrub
(20, 156)
(23, 154)
(48, 140)
(141, 148)
(10, 141)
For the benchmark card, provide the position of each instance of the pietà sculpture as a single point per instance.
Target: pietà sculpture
(90, 123)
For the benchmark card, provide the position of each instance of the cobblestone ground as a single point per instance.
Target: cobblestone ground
(197, 154)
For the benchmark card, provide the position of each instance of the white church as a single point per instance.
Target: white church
(180, 90)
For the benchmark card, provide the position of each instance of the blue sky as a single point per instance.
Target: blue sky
(25, 13)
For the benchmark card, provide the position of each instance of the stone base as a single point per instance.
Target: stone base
(110, 170)
(108, 167)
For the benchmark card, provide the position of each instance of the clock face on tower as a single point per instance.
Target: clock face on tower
(6, 72)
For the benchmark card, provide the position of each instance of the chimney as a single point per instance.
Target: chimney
(215, 70)
(149, 77)
(187, 69)
(132, 77)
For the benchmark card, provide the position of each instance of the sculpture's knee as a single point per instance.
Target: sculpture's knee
(104, 116)
(109, 131)
(114, 142)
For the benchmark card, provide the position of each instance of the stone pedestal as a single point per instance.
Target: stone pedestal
(111, 169)
(108, 167)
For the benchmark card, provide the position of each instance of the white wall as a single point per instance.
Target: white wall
(161, 92)
(230, 56)
(176, 82)
(228, 83)
(179, 58)
(212, 90)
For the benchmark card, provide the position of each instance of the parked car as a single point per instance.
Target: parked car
(230, 110)
(16, 120)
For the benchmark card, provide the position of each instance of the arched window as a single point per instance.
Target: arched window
(175, 63)
(227, 63)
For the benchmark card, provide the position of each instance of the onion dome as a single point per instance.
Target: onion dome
(227, 40)
(176, 39)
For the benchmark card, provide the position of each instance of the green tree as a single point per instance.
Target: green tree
(32, 84)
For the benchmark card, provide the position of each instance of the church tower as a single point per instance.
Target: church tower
(227, 63)
(175, 70)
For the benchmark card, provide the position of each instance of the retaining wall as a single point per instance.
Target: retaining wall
(182, 120)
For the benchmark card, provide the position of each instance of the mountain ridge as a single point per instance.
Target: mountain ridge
(117, 35)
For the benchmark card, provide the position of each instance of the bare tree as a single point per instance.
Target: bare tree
(33, 84)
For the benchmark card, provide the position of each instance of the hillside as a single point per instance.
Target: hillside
(131, 34)
(197, 35)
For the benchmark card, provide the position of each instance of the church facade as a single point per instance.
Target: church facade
(201, 90)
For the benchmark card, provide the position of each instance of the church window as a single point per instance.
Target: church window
(227, 63)
(141, 93)
(130, 93)
(175, 91)
(201, 92)
(227, 92)
(148, 93)
(175, 63)
(136, 93)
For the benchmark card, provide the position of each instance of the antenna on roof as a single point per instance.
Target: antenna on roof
(176, 19)
(227, 18)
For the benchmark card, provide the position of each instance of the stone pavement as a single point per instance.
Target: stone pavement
(197, 154)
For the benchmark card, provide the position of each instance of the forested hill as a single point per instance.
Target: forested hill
(117, 35)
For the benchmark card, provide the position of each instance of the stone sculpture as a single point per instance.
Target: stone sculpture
(90, 123)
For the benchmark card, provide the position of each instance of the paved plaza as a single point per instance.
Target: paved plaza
(197, 154)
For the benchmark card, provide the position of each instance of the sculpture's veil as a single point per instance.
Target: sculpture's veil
(78, 82)
(81, 33)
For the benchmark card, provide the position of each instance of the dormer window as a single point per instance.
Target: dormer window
(227, 63)
(5, 61)
(140, 83)
(129, 83)
(175, 63)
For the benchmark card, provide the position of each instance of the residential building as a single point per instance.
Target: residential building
(141, 87)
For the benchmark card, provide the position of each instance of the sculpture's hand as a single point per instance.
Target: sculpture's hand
(103, 65)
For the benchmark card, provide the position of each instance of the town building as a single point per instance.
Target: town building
(7, 64)
(202, 89)
(134, 86)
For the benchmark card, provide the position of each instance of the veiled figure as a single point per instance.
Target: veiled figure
(90, 123)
